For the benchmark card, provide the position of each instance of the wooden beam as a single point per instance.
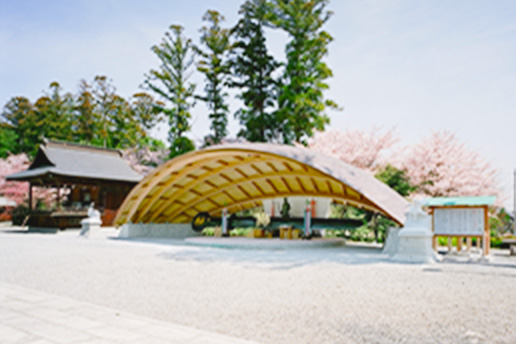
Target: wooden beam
(239, 187)
(151, 213)
(262, 196)
(238, 182)
(190, 185)
(271, 184)
(256, 169)
(176, 166)
(271, 165)
(314, 184)
(240, 172)
(286, 184)
(300, 184)
(226, 178)
(138, 193)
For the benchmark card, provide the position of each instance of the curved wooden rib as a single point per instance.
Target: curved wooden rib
(234, 184)
(152, 215)
(147, 216)
(139, 192)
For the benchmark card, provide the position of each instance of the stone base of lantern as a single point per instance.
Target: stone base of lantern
(415, 246)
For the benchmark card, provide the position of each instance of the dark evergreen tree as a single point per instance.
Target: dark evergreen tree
(170, 81)
(19, 116)
(301, 100)
(55, 114)
(252, 67)
(215, 67)
(85, 121)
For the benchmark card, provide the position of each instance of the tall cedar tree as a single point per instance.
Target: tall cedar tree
(117, 126)
(55, 112)
(301, 100)
(96, 115)
(19, 115)
(50, 116)
(252, 68)
(105, 107)
(85, 117)
(170, 81)
(215, 67)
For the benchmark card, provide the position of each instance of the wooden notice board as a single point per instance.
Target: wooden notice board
(459, 221)
(461, 217)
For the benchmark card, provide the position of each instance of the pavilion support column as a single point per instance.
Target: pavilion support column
(487, 235)
(58, 198)
(30, 197)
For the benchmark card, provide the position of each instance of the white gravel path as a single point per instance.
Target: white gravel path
(330, 295)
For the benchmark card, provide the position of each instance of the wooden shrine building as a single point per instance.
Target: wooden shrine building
(80, 175)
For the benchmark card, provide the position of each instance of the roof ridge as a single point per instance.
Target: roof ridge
(73, 145)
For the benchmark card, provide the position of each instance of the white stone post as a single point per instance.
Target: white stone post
(224, 223)
(308, 217)
(415, 238)
(92, 223)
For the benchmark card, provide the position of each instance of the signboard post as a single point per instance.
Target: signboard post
(461, 217)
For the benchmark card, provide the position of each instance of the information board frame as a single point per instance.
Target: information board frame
(459, 221)
(483, 237)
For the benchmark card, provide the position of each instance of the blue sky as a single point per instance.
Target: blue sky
(416, 65)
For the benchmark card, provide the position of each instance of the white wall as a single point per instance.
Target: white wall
(157, 230)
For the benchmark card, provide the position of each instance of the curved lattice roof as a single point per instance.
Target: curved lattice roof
(240, 176)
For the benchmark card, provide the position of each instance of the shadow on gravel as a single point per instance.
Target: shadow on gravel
(26, 231)
(279, 259)
(291, 258)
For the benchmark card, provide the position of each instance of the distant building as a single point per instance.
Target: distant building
(81, 174)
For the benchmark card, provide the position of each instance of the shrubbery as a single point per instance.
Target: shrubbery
(18, 214)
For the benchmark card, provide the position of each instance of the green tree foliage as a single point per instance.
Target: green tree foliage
(55, 114)
(96, 115)
(119, 123)
(107, 105)
(170, 81)
(301, 100)
(85, 121)
(252, 67)
(50, 116)
(146, 110)
(8, 141)
(19, 115)
(214, 65)
(397, 179)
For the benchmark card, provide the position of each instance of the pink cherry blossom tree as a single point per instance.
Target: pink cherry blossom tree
(143, 160)
(16, 191)
(366, 149)
(441, 165)
(19, 191)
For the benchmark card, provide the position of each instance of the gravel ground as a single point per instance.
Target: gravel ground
(330, 295)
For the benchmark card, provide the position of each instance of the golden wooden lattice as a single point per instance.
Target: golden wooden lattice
(240, 176)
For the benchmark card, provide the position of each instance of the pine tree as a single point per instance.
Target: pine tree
(19, 115)
(215, 67)
(252, 67)
(55, 114)
(170, 81)
(86, 120)
(301, 100)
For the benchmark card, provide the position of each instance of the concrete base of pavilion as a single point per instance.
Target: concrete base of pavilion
(263, 244)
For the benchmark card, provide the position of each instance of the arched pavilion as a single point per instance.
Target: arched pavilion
(239, 176)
